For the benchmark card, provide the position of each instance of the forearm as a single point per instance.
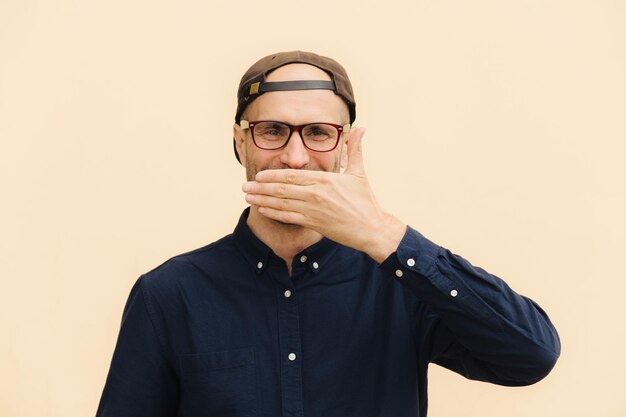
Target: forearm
(505, 337)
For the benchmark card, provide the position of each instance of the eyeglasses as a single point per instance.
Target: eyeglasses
(271, 135)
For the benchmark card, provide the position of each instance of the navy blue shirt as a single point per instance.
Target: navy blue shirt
(225, 331)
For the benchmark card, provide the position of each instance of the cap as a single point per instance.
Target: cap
(253, 82)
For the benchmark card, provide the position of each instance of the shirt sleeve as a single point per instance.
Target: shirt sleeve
(477, 325)
(141, 381)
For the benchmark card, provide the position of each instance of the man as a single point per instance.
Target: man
(320, 303)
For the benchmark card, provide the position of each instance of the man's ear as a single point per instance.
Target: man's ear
(240, 146)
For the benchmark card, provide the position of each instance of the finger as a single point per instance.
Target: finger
(289, 176)
(283, 216)
(355, 152)
(276, 189)
(283, 204)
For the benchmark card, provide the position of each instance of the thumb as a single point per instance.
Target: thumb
(355, 151)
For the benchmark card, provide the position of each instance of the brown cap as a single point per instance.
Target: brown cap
(253, 82)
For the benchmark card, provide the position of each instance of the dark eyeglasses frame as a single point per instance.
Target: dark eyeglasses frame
(246, 124)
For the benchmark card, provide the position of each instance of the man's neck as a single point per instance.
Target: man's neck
(286, 240)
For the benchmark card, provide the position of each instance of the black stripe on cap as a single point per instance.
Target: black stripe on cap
(296, 85)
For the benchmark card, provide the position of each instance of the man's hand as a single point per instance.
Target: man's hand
(341, 207)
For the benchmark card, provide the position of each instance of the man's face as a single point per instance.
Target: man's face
(296, 108)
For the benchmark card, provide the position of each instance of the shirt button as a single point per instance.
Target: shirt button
(287, 293)
(292, 356)
(303, 258)
(315, 265)
(399, 273)
(454, 293)
(259, 265)
(410, 262)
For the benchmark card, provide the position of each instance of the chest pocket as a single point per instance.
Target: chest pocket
(220, 384)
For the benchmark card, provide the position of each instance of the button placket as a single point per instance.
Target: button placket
(290, 351)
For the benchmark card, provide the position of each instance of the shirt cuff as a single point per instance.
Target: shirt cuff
(415, 252)
(416, 265)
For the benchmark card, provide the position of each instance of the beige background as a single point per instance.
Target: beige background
(494, 127)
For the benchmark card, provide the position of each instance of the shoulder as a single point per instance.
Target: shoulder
(185, 268)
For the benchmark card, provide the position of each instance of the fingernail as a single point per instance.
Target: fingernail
(249, 198)
(247, 186)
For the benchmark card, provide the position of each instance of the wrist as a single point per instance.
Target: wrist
(386, 238)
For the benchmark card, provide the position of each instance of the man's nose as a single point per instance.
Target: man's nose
(295, 154)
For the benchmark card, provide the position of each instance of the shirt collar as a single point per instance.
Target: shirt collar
(260, 256)
(256, 252)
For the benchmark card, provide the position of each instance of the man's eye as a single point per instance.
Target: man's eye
(317, 132)
(272, 130)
